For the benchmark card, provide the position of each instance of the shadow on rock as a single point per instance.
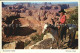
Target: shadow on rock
(21, 31)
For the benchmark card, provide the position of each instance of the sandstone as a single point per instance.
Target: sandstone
(48, 35)
(43, 44)
(11, 45)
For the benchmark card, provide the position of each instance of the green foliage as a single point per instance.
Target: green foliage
(26, 42)
(77, 33)
(37, 37)
(73, 17)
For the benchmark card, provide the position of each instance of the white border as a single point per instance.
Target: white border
(41, 50)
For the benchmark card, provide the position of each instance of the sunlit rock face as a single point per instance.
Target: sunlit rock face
(32, 15)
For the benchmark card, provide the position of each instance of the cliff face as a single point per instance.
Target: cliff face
(33, 16)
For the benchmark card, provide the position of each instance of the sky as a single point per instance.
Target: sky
(11, 3)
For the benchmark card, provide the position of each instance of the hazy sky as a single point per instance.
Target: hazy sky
(11, 3)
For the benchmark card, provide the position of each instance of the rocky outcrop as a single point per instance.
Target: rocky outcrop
(14, 45)
(11, 45)
(46, 43)
(48, 35)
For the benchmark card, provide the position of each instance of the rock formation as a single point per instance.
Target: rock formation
(22, 20)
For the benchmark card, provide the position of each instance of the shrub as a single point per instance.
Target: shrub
(26, 42)
(73, 17)
(37, 37)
